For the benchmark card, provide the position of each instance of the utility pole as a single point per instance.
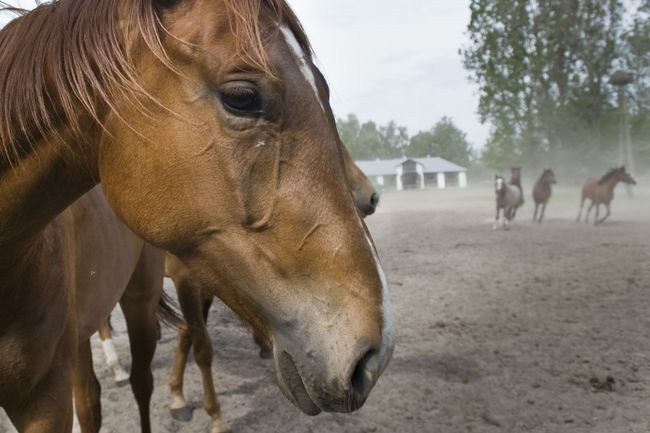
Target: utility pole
(620, 79)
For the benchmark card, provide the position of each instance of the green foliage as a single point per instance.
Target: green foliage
(542, 68)
(444, 140)
(368, 141)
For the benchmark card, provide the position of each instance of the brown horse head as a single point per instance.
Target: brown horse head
(237, 169)
(625, 177)
(618, 174)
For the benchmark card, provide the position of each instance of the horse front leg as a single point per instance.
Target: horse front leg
(49, 408)
(596, 221)
(582, 205)
(179, 409)
(195, 309)
(140, 307)
(203, 354)
(496, 221)
(120, 376)
(589, 211)
(606, 215)
(535, 214)
(507, 216)
(87, 391)
(543, 212)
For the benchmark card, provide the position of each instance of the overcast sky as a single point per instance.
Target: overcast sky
(388, 60)
(395, 60)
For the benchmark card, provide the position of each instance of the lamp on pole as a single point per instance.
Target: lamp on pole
(620, 79)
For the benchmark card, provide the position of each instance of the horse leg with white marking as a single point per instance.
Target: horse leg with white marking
(112, 359)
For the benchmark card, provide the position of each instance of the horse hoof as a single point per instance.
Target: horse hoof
(219, 428)
(182, 414)
(122, 381)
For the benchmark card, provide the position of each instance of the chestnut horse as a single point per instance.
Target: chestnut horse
(195, 304)
(601, 191)
(542, 193)
(211, 132)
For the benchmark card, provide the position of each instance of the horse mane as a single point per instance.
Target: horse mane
(611, 173)
(57, 60)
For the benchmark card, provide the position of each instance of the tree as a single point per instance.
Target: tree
(368, 141)
(637, 61)
(444, 140)
(542, 69)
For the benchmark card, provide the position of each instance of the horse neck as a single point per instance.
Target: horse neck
(610, 184)
(39, 184)
(544, 183)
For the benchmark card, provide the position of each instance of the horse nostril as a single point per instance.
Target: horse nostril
(374, 199)
(363, 378)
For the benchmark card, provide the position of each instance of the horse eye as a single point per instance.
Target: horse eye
(242, 99)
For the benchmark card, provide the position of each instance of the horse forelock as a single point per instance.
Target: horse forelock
(247, 26)
(58, 61)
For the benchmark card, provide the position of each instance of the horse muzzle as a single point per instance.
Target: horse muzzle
(332, 380)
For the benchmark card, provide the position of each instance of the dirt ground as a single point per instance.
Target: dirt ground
(537, 329)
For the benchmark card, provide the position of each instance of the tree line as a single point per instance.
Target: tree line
(542, 69)
(369, 141)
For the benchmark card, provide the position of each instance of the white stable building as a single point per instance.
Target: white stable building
(414, 173)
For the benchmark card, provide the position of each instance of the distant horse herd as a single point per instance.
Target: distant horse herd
(510, 194)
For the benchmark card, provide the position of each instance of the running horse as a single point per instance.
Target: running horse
(542, 193)
(211, 132)
(507, 198)
(601, 191)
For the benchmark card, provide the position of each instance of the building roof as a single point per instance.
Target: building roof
(387, 167)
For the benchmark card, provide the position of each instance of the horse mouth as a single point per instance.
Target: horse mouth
(292, 386)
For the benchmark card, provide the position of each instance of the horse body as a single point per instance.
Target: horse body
(601, 191)
(249, 193)
(542, 193)
(515, 180)
(507, 198)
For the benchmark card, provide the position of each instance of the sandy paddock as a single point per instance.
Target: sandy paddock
(537, 329)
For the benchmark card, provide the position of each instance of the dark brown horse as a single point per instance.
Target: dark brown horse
(542, 193)
(601, 191)
(211, 132)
